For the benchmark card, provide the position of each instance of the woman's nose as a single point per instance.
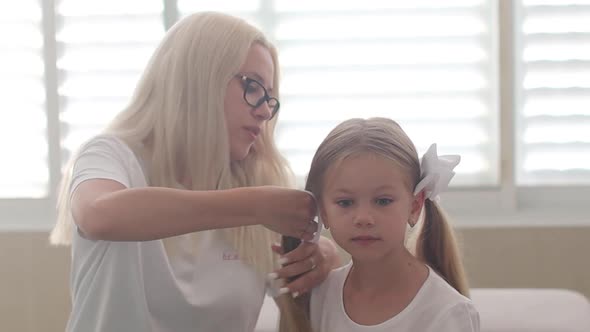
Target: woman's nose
(263, 112)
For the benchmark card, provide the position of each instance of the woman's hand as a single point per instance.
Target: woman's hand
(311, 261)
(286, 211)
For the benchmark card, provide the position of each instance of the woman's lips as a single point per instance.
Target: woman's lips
(253, 131)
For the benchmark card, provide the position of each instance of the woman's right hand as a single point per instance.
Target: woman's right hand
(287, 211)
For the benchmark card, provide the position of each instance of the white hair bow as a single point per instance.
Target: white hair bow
(435, 172)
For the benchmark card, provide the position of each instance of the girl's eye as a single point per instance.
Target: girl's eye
(384, 201)
(344, 202)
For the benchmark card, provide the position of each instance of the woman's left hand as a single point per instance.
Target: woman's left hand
(312, 261)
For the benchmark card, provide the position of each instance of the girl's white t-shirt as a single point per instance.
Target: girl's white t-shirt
(136, 286)
(437, 307)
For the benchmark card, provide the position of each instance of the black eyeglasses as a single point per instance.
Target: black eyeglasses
(255, 94)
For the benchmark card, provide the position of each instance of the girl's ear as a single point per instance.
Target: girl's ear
(417, 204)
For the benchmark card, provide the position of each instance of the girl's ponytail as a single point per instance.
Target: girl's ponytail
(294, 312)
(436, 246)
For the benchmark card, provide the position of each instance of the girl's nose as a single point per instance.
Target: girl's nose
(364, 218)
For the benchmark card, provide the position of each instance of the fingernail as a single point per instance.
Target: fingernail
(282, 260)
(272, 276)
(283, 290)
(295, 294)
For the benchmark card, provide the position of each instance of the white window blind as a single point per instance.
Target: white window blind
(431, 65)
(554, 111)
(104, 47)
(427, 64)
(23, 123)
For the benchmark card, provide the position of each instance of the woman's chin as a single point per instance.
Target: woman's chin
(241, 154)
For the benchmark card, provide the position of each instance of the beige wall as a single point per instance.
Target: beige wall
(528, 257)
(34, 277)
(33, 283)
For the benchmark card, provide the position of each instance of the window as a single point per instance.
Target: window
(23, 121)
(553, 56)
(428, 64)
(104, 46)
(503, 83)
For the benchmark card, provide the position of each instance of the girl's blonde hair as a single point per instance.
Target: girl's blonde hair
(175, 122)
(435, 244)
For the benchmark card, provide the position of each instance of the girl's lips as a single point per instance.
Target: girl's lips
(365, 240)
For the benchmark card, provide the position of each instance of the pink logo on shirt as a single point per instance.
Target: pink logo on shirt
(231, 256)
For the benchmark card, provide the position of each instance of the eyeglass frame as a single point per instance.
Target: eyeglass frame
(266, 98)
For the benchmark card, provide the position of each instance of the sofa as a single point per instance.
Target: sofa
(531, 309)
(504, 310)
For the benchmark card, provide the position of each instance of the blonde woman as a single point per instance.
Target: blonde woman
(171, 212)
(371, 189)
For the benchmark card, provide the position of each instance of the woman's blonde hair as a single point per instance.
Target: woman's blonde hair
(175, 122)
(435, 244)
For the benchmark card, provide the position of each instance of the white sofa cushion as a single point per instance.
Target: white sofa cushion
(531, 310)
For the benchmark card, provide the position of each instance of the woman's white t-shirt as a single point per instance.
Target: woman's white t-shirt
(437, 307)
(135, 286)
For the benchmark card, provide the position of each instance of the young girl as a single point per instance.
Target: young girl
(371, 187)
(171, 212)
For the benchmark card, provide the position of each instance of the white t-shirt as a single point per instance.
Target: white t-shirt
(135, 286)
(437, 307)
